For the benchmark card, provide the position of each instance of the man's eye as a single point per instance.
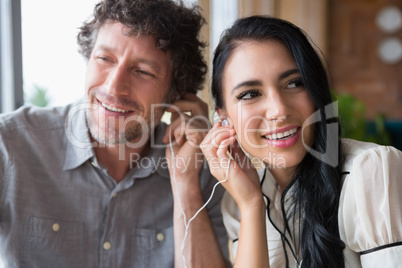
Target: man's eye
(248, 95)
(145, 73)
(104, 59)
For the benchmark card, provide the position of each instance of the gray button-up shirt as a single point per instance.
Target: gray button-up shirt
(58, 208)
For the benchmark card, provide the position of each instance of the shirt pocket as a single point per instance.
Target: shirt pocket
(152, 248)
(53, 243)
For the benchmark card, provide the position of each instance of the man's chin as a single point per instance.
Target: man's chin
(132, 139)
(108, 139)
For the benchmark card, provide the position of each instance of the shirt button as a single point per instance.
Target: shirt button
(55, 227)
(160, 237)
(114, 194)
(107, 245)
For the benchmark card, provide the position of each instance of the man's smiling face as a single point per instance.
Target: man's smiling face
(126, 74)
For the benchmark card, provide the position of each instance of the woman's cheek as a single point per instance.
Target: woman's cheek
(246, 129)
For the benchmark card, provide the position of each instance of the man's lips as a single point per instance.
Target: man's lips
(114, 109)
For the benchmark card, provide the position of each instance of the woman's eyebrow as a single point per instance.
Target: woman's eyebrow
(249, 83)
(253, 83)
(287, 73)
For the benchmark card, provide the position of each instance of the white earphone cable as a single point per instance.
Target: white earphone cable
(187, 224)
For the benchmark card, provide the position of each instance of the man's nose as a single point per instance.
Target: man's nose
(117, 83)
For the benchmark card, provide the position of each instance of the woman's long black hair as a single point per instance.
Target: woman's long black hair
(316, 183)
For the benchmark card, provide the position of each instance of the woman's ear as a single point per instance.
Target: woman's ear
(223, 118)
(221, 113)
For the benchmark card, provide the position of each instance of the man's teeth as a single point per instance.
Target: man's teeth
(281, 135)
(114, 109)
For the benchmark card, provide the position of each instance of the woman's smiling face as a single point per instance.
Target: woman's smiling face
(264, 96)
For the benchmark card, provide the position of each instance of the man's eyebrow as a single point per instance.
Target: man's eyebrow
(249, 83)
(151, 63)
(104, 47)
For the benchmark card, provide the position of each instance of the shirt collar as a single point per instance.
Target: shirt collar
(275, 214)
(79, 146)
(270, 189)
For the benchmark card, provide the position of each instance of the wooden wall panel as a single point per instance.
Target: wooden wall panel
(257, 7)
(353, 59)
(310, 15)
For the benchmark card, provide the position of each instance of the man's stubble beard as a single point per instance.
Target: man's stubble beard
(133, 130)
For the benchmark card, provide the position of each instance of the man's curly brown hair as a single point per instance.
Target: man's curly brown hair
(174, 26)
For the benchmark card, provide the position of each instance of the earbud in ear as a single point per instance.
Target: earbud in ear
(224, 122)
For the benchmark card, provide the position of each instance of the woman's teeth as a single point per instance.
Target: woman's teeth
(281, 135)
(114, 109)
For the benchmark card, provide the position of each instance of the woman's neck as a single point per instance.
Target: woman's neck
(283, 176)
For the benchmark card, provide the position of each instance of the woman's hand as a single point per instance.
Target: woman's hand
(244, 186)
(242, 179)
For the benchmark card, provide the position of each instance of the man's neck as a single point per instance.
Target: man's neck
(118, 159)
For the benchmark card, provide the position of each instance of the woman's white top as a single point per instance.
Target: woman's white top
(369, 216)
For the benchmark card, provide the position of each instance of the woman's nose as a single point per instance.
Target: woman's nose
(278, 106)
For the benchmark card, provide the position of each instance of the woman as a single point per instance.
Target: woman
(319, 201)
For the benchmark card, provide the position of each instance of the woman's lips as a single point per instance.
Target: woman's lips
(283, 139)
(281, 134)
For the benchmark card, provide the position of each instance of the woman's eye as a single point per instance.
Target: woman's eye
(295, 83)
(248, 95)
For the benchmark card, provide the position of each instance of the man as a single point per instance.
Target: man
(95, 184)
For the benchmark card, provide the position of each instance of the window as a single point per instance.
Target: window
(51, 61)
(223, 14)
(48, 58)
(10, 55)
